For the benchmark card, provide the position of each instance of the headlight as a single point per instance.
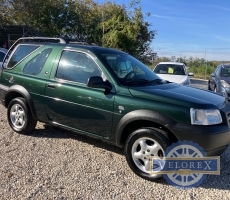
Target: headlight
(205, 117)
(224, 84)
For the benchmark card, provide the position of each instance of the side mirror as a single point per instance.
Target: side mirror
(212, 75)
(190, 74)
(97, 82)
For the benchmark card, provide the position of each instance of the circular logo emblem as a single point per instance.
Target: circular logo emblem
(184, 152)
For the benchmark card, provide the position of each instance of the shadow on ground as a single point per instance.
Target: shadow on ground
(56, 132)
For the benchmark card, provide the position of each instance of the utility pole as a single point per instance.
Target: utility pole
(180, 56)
(103, 28)
(206, 64)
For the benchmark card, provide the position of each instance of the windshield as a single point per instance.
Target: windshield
(170, 69)
(225, 72)
(129, 70)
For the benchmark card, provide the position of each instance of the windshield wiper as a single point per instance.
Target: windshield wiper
(159, 81)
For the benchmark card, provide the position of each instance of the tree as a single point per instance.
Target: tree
(109, 24)
(126, 29)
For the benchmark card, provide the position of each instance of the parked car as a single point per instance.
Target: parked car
(2, 55)
(174, 72)
(108, 94)
(219, 81)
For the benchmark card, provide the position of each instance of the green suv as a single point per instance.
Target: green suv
(110, 95)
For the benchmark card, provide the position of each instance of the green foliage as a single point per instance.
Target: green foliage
(199, 72)
(109, 24)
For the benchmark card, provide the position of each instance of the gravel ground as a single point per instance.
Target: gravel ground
(52, 163)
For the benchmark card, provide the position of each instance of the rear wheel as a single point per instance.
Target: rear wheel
(19, 116)
(141, 146)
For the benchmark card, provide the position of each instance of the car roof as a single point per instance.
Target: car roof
(226, 65)
(95, 48)
(67, 44)
(174, 63)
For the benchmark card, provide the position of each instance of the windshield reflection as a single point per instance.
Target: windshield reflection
(130, 71)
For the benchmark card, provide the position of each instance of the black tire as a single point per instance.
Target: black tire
(209, 85)
(215, 89)
(26, 122)
(155, 136)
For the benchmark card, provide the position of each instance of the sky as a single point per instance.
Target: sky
(197, 28)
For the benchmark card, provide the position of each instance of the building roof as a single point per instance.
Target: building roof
(13, 32)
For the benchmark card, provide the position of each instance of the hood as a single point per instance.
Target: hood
(180, 95)
(173, 78)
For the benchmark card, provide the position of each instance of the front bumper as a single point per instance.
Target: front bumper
(214, 139)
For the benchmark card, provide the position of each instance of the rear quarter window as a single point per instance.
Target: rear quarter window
(35, 65)
(21, 52)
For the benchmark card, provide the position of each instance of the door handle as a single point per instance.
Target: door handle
(50, 85)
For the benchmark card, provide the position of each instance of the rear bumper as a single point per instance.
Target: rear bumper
(214, 139)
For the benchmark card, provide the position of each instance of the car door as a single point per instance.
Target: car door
(70, 103)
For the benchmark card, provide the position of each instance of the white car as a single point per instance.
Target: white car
(174, 72)
(2, 55)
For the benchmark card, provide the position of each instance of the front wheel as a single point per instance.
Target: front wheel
(141, 146)
(19, 116)
(209, 88)
(215, 89)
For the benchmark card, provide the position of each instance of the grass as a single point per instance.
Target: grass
(199, 72)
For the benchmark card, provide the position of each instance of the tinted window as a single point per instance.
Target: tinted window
(34, 66)
(169, 69)
(20, 53)
(225, 72)
(2, 55)
(77, 67)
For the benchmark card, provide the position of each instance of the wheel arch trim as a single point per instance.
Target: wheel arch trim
(24, 93)
(143, 115)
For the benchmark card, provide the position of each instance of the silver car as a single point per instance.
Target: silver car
(219, 81)
(174, 72)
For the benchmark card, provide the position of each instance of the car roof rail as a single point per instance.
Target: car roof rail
(37, 40)
(77, 41)
(42, 39)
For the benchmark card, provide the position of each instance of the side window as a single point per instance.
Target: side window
(77, 67)
(34, 66)
(1, 56)
(20, 53)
